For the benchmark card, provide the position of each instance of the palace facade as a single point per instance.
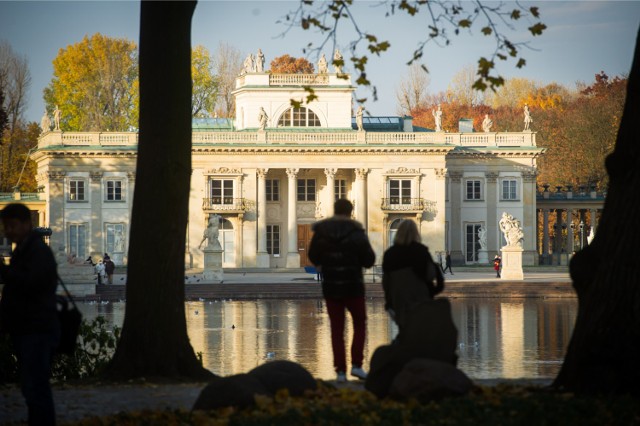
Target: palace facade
(270, 178)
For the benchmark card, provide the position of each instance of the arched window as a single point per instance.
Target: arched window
(393, 229)
(299, 117)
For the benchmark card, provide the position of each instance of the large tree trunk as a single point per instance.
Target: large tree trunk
(154, 341)
(605, 346)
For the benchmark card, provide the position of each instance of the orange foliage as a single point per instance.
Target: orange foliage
(286, 64)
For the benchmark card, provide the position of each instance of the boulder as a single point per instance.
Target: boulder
(428, 379)
(386, 362)
(278, 375)
(236, 391)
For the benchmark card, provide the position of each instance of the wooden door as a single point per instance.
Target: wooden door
(304, 239)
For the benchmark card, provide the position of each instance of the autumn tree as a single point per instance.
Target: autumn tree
(205, 83)
(286, 64)
(227, 63)
(154, 340)
(602, 357)
(513, 93)
(18, 136)
(461, 90)
(411, 92)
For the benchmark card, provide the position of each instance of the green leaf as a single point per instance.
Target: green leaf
(464, 23)
(486, 31)
(534, 11)
(515, 14)
(521, 63)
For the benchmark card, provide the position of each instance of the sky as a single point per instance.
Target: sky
(582, 39)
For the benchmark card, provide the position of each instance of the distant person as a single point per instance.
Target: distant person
(28, 310)
(447, 263)
(497, 262)
(440, 261)
(341, 248)
(109, 268)
(100, 272)
(410, 274)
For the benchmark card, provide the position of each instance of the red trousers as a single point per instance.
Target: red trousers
(336, 310)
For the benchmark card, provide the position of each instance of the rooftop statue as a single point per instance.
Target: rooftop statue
(437, 116)
(487, 123)
(259, 61)
(56, 118)
(337, 56)
(527, 118)
(248, 64)
(262, 119)
(512, 230)
(359, 114)
(322, 65)
(45, 122)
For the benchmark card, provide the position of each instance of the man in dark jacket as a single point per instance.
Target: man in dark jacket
(109, 268)
(340, 248)
(28, 310)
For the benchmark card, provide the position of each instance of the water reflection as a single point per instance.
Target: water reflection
(498, 338)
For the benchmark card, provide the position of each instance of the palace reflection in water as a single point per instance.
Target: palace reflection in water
(497, 338)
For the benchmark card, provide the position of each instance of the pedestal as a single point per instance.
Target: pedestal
(118, 258)
(263, 260)
(483, 257)
(512, 263)
(293, 260)
(212, 265)
(77, 274)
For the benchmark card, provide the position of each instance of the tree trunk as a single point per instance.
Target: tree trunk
(604, 349)
(154, 341)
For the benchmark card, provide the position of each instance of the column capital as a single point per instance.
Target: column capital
(455, 176)
(262, 173)
(361, 173)
(440, 173)
(330, 173)
(529, 176)
(491, 177)
(292, 173)
(57, 176)
(131, 176)
(96, 177)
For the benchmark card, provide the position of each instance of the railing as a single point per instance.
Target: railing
(19, 196)
(473, 140)
(224, 204)
(402, 204)
(298, 79)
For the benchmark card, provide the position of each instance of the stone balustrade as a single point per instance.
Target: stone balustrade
(100, 139)
(298, 79)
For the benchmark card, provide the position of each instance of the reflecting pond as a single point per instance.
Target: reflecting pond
(498, 338)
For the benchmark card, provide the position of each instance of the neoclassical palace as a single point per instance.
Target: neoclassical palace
(274, 170)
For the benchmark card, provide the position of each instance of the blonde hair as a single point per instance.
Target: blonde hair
(407, 233)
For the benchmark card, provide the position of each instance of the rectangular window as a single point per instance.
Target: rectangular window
(273, 239)
(273, 190)
(306, 189)
(473, 242)
(222, 191)
(77, 190)
(77, 240)
(115, 238)
(340, 189)
(509, 189)
(399, 191)
(474, 190)
(114, 190)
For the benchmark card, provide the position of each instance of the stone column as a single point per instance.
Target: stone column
(493, 240)
(545, 235)
(530, 254)
(558, 240)
(262, 258)
(293, 257)
(331, 191)
(361, 196)
(594, 219)
(455, 227)
(570, 231)
(96, 233)
(56, 204)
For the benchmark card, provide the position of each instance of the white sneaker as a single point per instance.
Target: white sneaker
(359, 373)
(342, 377)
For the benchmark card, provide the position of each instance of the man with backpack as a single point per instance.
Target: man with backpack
(341, 249)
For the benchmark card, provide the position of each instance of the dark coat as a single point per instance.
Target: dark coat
(417, 258)
(28, 302)
(341, 249)
(109, 267)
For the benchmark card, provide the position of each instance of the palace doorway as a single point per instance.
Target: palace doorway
(304, 239)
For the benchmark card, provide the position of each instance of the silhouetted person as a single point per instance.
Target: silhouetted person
(341, 248)
(410, 274)
(28, 310)
(109, 268)
(447, 264)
